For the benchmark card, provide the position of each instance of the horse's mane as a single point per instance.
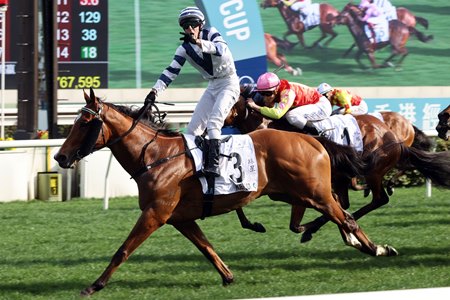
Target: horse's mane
(150, 118)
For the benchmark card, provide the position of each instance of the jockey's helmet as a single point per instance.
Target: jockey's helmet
(324, 88)
(267, 82)
(192, 15)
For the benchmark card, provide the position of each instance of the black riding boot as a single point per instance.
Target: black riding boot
(211, 158)
(310, 128)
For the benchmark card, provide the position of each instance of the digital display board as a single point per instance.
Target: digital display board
(82, 44)
(82, 50)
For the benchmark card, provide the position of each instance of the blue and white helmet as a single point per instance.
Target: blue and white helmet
(324, 88)
(191, 14)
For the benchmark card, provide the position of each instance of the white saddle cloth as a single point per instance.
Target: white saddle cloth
(334, 129)
(312, 13)
(380, 27)
(237, 163)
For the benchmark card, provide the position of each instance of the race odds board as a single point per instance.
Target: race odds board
(82, 44)
(82, 49)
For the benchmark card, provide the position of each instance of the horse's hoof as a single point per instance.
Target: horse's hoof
(391, 251)
(258, 227)
(297, 72)
(297, 229)
(306, 237)
(366, 193)
(87, 292)
(227, 281)
(390, 190)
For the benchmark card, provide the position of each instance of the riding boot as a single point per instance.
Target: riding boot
(211, 158)
(310, 128)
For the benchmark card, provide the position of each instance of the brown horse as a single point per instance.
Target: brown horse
(169, 189)
(443, 127)
(398, 36)
(277, 58)
(327, 15)
(405, 16)
(382, 149)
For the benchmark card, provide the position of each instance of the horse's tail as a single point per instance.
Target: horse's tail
(433, 165)
(421, 140)
(345, 160)
(422, 37)
(422, 21)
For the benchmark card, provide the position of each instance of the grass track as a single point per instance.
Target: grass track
(426, 65)
(53, 250)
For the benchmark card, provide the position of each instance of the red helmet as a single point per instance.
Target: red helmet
(267, 82)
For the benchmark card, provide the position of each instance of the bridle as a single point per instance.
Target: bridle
(96, 126)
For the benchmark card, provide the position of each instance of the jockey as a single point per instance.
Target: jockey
(298, 6)
(347, 103)
(298, 103)
(387, 9)
(370, 10)
(371, 15)
(206, 50)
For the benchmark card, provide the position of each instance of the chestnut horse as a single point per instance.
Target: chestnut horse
(327, 15)
(443, 127)
(169, 189)
(382, 149)
(277, 58)
(398, 36)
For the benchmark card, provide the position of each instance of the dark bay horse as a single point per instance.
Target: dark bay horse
(405, 16)
(296, 27)
(410, 135)
(443, 127)
(169, 189)
(382, 149)
(398, 36)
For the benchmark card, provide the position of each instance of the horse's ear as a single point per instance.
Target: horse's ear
(86, 97)
(92, 93)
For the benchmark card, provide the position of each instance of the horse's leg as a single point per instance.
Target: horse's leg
(297, 213)
(312, 227)
(400, 61)
(147, 223)
(373, 62)
(387, 61)
(332, 37)
(349, 50)
(317, 42)
(246, 224)
(301, 39)
(352, 234)
(196, 236)
(391, 182)
(379, 196)
(358, 59)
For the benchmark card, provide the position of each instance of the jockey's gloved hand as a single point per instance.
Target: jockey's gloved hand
(248, 91)
(189, 38)
(151, 97)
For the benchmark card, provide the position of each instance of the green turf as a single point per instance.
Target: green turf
(426, 65)
(52, 250)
